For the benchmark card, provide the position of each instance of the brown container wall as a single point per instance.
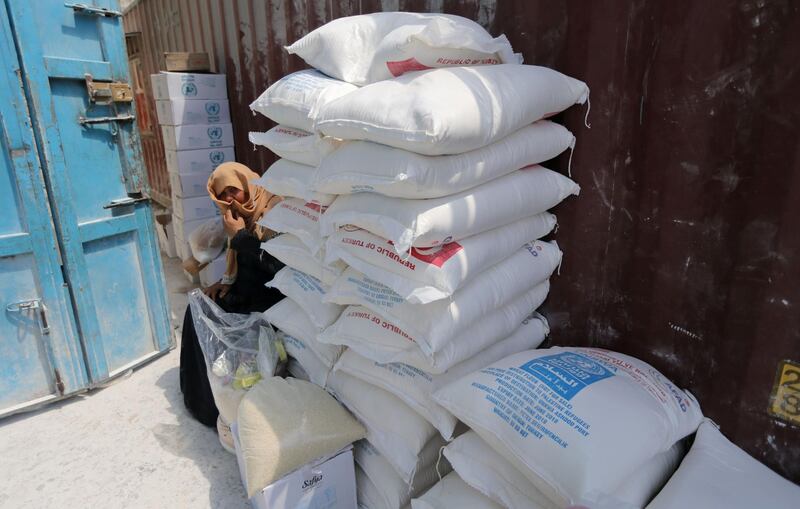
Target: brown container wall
(684, 246)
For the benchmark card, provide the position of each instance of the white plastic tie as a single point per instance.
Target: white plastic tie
(439, 460)
(571, 153)
(588, 109)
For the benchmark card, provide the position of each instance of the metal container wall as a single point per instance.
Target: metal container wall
(684, 247)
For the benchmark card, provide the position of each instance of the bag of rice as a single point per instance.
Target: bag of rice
(292, 252)
(395, 430)
(428, 223)
(298, 217)
(294, 144)
(427, 275)
(391, 492)
(290, 318)
(361, 166)
(379, 340)
(293, 180)
(414, 386)
(718, 475)
(285, 423)
(302, 356)
(451, 493)
(372, 47)
(295, 99)
(450, 111)
(484, 469)
(308, 292)
(487, 471)
(434, 324)
(576, 422)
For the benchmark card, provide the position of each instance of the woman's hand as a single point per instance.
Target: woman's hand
(217, 290)
(231, 223)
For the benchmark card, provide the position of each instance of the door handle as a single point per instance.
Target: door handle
(105, 120)
(32, 305)
(124, 202)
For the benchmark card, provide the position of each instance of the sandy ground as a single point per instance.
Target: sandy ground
(131, 444)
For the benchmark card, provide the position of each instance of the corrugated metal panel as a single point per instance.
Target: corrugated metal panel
(683, 248)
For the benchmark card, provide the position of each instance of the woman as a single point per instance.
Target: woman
(241, 289)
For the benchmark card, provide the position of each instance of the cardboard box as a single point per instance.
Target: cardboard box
(183, 228)
(181, 61)
(213, 272)
(197, 136)
(197, 161)
(187, 85)
(166, 239)
(194, 111)
(328, 483)
(200, 207)
(188, 185)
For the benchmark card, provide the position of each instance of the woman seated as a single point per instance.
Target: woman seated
(241, 289)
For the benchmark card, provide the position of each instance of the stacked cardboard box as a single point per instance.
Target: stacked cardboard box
(196, 128)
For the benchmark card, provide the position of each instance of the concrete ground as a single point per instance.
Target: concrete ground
(131, 444)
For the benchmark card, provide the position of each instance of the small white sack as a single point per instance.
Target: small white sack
(716, 474)
(361, 166)
(308, 292)
(428, 223)
(290, 318)
(372, 47)
(295, 99)
(487, 471)
(292, 252)
(415, 387)
(395, 430)
(434, 324)
(391, 492)
(208, 240)
(427, 275)
(293, 144)
(450, 111)
(298, 217)
(311, 367)
(588, 418)
(453, 493)
(292, 180)
(379, 340)
(367, 494)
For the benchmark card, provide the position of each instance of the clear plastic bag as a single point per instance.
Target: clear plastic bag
(239, 350)
(208, 241)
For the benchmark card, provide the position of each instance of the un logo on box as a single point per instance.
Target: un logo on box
(212, 109)
(215, 133)
(189, 89)
(216, 157)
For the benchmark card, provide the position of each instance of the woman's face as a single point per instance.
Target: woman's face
(230, 194)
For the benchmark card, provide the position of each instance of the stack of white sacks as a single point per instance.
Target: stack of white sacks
(411, 222)
(414, 267)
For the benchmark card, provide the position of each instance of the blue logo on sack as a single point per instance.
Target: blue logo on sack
(216, 156)
(189, 89)
(215, 133)
(212, 109)
(567, 373)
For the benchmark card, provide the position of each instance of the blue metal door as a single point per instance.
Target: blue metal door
(40, 355)
(90, 157)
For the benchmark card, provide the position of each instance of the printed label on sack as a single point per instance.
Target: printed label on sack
(567, 373)
(306, 81)
(374, 292)
(377, 320)
(404, 371)
(307, 283)
(400, 67)
(436, 256)
(291, 341)
(310, 210)
(291, 132)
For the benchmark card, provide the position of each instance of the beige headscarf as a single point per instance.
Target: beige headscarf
(258, 202)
